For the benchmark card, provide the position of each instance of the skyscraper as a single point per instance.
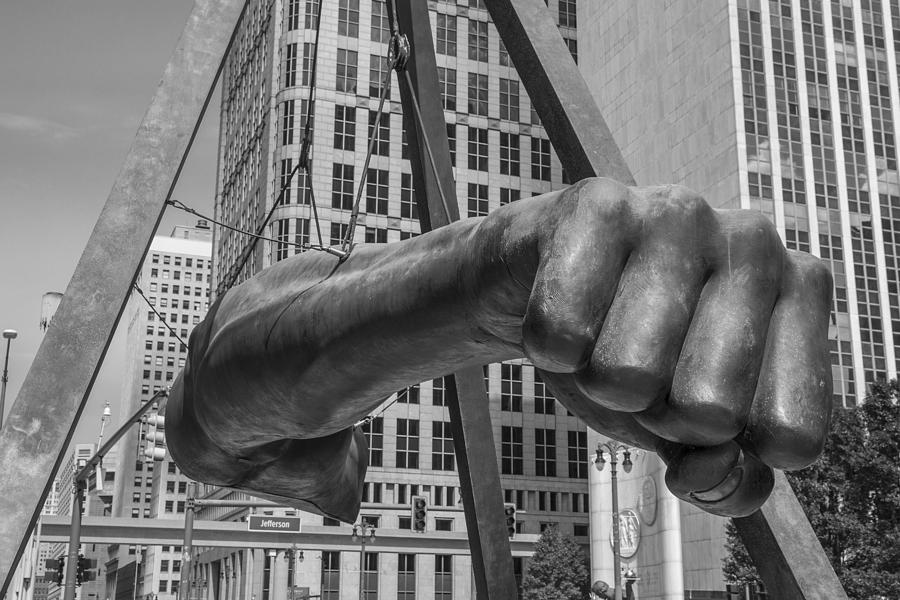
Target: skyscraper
(501, 153)
(173, 298)
(787, 107)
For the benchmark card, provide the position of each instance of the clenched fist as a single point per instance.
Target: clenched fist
(657, 320)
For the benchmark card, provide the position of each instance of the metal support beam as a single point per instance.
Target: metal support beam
(470, 420)
(56, 388)
(778, 536)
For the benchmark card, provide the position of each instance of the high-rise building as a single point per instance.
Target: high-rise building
(173, 298)
(788, 107)
(501, 153)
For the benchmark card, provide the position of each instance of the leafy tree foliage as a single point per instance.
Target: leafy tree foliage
(558, 570)
(852, 498)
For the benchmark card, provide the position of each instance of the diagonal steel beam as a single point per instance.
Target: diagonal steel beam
(778, 536)
(470, 416)
(56, 388)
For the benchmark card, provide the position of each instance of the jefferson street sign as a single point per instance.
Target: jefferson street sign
(268, 523)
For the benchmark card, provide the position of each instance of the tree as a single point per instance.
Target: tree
(852, 499)
(558, 570)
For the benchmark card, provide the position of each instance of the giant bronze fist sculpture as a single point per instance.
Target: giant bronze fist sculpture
(657, 320)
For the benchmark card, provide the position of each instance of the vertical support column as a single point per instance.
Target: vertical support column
(74, 540)
(55, 390)
(187, 546)
(470, 421)
(778, 536)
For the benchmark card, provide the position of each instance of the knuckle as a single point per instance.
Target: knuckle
(610, 196)
(687, 202)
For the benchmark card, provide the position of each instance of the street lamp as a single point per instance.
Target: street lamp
(364, 534)
(9, 335)
(613, 448)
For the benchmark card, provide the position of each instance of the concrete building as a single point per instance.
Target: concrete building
(175, 281)
(501, 153)
(784, 106)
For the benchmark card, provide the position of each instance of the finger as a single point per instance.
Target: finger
(723, 480)
(791, 412)
(634, 359)
(717, 372)
(576, 279)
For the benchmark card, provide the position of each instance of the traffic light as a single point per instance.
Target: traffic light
(419, 513)
(155, 437)
(60, 569)
(51, 569)
(86, 570)
(509, 511)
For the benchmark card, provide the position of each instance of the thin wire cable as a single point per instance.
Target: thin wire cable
(182, 206)
(354, 214)
(161, 317)
(368, 419)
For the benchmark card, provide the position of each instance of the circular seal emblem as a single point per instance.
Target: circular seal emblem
(647, 501)
(629, 533)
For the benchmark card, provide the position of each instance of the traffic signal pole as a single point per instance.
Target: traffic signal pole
(187, 546)
(74, 540)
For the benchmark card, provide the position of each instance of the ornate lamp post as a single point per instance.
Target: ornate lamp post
(613, 448)
(9, 335)
(364, 534)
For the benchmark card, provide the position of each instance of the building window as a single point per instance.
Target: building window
(545, 452)
(290, 65)
(441, 446)
(478, 40)
(438, 392)
(478, 149)
(451, 141)
(478, 199)
(581, 530)
(382, 134)
(376, 235)
(379, 69)
(540, 159)
(508, 195)
(572, 45)
(281, 247)
(408, 208)
(447, 82)
(287, 170)
(509, 99)
(511, 387)
(374, 431)
(338, 231)
(342, 186)
(443, 577)
(578, 458)
(293, 16)
(370, 577)
(509, 154)
(331, 576)
(306, 67)
(377, 192)
(381, 32)
(409, 395)
(346, 71)
(348, 18)
(544, 402)
(567, 13)
(287, 122)
(446, 35)
(407, 444)
(511, 461)
(344, 127)
(478, 94)
(443, 524)
(406, 576)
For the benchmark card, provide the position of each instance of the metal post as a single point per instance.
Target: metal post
(9, 334)
(617, 559)
(470, 417)
(74, 540)
(43, 418)
(187, 547)
(362, 565)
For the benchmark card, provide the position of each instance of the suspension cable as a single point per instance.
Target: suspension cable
(162, 318)
(369, 418)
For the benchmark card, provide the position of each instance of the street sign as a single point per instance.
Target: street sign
(269, 523)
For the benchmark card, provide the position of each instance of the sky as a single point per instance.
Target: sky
(76, 77)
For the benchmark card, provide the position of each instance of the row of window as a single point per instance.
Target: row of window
(176, 289)
(177, 261)
(176, 274)
(511, 448)
(406, 576)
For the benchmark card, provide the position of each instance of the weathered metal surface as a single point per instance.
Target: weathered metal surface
(43, 418)
(785, 549)
(791, 553)
(469, 407)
